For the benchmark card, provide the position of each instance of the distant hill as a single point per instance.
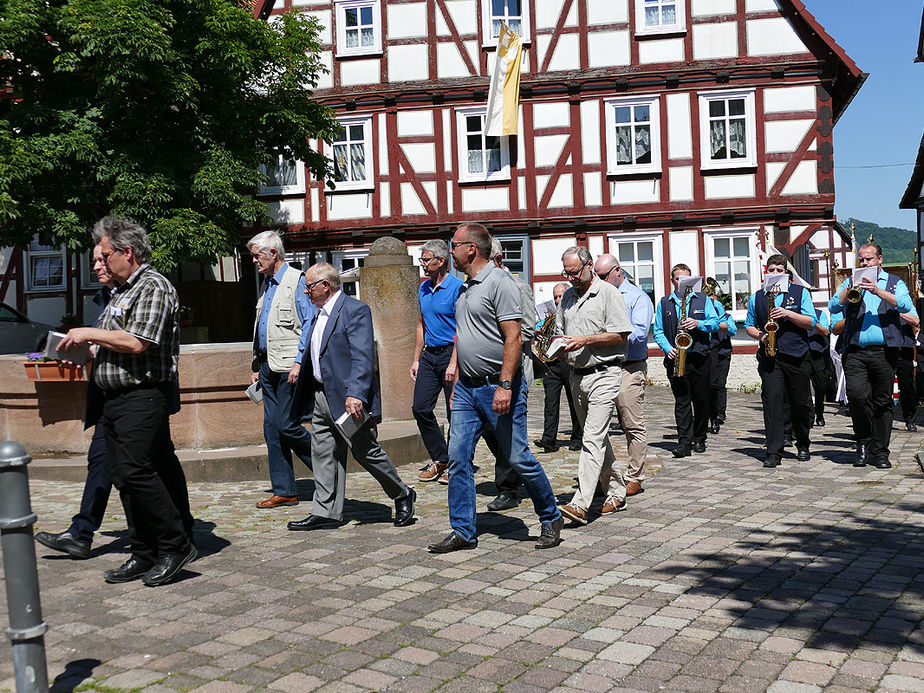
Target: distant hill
(897, 244)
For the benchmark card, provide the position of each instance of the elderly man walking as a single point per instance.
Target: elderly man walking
(282, 308)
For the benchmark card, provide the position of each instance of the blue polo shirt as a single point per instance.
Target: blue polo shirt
(438, 310)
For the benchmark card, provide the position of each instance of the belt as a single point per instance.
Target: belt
(115, 392)
(869, 347)
(633, 362)
(437, 349)
(480, 380)
(599, 368)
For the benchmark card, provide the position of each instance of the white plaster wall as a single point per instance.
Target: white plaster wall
(286, 211)
(5, 255)
(590, 131)
(773, 36)
(408, 63)
(566, 55)
(595, 246)
(684, 247)
(541, 182)
(679, 126)
(718, 40)
(324, 19)
(547, 254)
(359, 72)
(349, 206)
(593, 189)
(804, 180)
(681, 183)
(607, 11)
(421, 156)
(788, 99)
(521, 193)
(563, 196)
(785, 135)
(796, 231)
(449, 62)
(548, 12)
(542, 291)
(660, 51)
(606, 48)
(326, 78)
(383, 143)
(410, 201)
(629, 191)
(464, 14)
(548, 148)
(552, 114)
(761, 5)
(718, 187)
(705, 8)
(485, 199)
(384, 200)
(407, 21)
(774, 169)
(314, 204)
(414, 123)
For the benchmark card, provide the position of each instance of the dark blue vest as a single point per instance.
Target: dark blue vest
(790, 339)
(697, 311)
(818, 342)
(888, 321)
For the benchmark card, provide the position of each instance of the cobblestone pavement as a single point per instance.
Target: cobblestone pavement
(723, 575)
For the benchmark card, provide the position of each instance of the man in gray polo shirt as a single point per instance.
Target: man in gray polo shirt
(489, 392)
(593, 316)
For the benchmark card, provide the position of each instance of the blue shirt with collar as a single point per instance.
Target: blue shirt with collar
(725, 317)
(710, 323)
(641, 311)
(438, 309)
(871, 329)
(302, 304)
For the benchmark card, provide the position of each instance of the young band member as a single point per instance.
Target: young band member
(720, 351)
(691, 391)
(788, 372)
(819, 358)
(869, 350)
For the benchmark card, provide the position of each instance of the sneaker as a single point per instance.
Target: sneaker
(573, 513)
(613, 506)
(432, 471)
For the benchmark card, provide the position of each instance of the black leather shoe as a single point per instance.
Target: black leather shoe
(772, 461)
(911, 426)
(65, 543)
(882, 463)
(714, 429)
(504, 501)
(820, 421)
(550, 534)
(312, 522)
(166, 567)
(404, 509)
(681, 451)
(699, 446)
(859, 459)
(803, 455)
(575, 445)
(546, 445)
(720, 420)
(132, 569)
(787, 442)
(453, 542)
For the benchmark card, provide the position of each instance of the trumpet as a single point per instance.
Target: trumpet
(683, 340)
(854, 294)
(771, 326)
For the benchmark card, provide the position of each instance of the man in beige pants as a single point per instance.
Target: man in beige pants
(631, 400)
(593, 317)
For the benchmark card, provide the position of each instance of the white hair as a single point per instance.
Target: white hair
(265, 241)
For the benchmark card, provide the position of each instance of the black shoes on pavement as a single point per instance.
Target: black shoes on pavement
(65, 542)
(504, 501)
(162, 571)
(550, 534)
(546, 445)
(404, 509)
(699, 446)
(453, 542)
(861, 455)
(312, 522)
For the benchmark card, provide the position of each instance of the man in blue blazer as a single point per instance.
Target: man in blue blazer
(339, 347)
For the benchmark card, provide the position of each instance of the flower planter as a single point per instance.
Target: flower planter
(53, 371)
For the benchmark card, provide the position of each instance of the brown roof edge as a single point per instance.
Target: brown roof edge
(913, 191)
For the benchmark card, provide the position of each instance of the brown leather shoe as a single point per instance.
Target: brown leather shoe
(444, 479)
(432, 471)
(573, 513)
(276, 501)
(633, 488)
(612, 506)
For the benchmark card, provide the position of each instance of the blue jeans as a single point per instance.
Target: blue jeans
(283, 433)
(471, 413)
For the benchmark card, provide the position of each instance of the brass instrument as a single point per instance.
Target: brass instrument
(772, 325)
(711, 287)
(854, 295)
(542, 339)
(683, 340)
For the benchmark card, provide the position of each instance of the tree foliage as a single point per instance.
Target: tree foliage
(161, 111)
(897, 244)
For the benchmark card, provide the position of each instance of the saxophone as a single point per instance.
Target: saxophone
(772, 325)
(682, 339)
(542, 339)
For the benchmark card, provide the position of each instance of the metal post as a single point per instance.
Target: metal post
(27, 630)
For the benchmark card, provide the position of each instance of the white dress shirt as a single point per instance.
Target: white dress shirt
(318, 333)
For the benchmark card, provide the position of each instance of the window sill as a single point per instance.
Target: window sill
(634, 174)
(281, 192)
(349, 188)
(525, 41)
(494, 181)
(656, 33)
(711, 169)
(369, 53)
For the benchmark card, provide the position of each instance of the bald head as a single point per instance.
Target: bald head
(559, 290)
(607, 268)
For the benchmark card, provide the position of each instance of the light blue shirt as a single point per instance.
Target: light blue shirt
(806, 307)
(871, 330)
(725, 317)
(302, 305)
(822, 320)
(641, 312)
(709, 324)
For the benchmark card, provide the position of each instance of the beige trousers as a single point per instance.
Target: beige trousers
(631, 406)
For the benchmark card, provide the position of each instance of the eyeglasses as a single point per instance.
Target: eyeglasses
(455, 245)
(310, 285)
(574, 275)
(425, 261)
(607, 273)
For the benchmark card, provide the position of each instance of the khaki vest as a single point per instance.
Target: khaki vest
(283, 328)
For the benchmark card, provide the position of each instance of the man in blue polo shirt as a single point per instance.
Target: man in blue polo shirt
(434, 367)
(869, 349)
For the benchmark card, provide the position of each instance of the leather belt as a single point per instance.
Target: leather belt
(480, 380)
(599, 368)
(437, 349)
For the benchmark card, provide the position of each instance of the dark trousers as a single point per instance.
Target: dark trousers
(784, 384)
(431, 381)
(96, 490)
(282, 430)
(691, 397)
(907, 392)
(818, 364)
(137, 430)
(870, 374)
(557, 376)
(718, 397)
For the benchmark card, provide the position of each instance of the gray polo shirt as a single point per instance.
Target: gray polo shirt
(490, 297)
(601, 309)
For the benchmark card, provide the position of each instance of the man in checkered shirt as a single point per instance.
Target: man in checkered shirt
(138, 339)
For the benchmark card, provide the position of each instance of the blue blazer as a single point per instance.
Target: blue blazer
(347, 359)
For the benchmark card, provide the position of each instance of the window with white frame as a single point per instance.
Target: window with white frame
(45, 265)
(731, 258)
(349, 262)
(728, 129)
(660, 16)
(286, 177)
(359, 27)
(640, 259)
(481, 157)
(513, 13)
(351, 152)
(633, 135)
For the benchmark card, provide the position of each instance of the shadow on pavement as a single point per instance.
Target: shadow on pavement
(73, 675)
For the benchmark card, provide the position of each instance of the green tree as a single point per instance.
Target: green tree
(157, 110)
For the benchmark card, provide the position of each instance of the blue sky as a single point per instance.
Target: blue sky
(884, 123)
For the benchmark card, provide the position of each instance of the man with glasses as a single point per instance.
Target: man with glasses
(433, 369)
(630, 403)
(282, 308)
(596, 326)
(489, 393)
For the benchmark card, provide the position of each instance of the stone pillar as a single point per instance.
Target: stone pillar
(389, 282)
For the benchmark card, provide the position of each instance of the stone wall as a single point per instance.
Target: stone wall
(741, 373)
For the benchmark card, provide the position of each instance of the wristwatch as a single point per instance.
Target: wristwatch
(505, 384)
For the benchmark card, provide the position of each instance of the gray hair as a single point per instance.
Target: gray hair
(477, 233)
(325, 270)
(266, 241)
(440, 249)
(496, 248)
(124, 233)
(582, 254)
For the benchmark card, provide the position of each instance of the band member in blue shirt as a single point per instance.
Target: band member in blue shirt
(720, 352)
(820, 360)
